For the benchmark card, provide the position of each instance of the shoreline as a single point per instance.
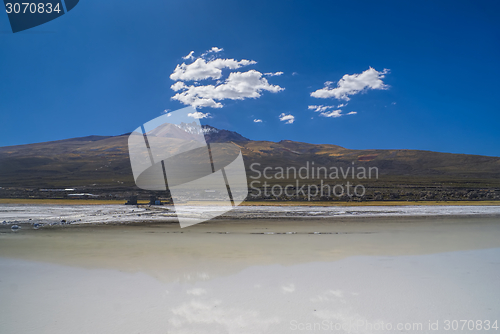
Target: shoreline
(41, 216)
(255, 203)
(209, 226)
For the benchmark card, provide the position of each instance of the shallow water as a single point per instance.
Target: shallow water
(252, 276)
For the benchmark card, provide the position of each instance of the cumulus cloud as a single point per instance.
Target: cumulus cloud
(257, 120)
(353, 84)
(320, 108)
(189, 56)
(201, 69)
(287, 118)
(212, 50)
(199, 115)
(271, 74)
(333, 113)
(216, 49)
(237, 86)
(178, 86)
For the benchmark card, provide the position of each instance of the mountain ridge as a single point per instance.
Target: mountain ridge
(102, 162)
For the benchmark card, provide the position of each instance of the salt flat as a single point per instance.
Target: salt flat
(98, 214)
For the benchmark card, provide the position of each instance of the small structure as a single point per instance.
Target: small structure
(132, 200)
(153, 200)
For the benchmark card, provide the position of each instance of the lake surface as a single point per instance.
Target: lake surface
(333, 275)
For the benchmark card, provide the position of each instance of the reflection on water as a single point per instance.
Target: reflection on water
(148, 279)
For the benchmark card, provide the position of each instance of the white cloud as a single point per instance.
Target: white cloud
(201, 69)
(320, 108)
(178, 86)
(238, 86)
(341, 105)
(199, 115)
(257, 120)
(215, 49)
(353, 84)
(333, 113)
(212, 50)
(189, 56)
(271, 74)
(288, 119)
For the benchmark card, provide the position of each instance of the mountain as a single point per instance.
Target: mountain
(100, 164)
(213, 135)
(182, 131)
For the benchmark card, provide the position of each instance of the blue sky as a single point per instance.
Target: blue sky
(105, 68)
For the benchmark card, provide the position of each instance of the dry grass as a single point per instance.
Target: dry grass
(374, 203)
(60, 201)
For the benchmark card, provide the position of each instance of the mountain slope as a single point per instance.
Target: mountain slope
(102, 162)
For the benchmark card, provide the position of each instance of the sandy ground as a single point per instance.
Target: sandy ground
(252, 276)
